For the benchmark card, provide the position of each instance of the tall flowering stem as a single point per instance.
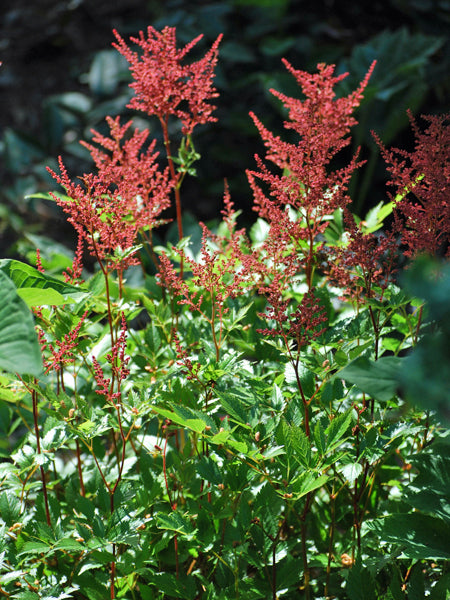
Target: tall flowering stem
(421, 179)
(217, 275)
(111, 389)
(110, 208)
(307, 191)
(166, 86)
(297, 203)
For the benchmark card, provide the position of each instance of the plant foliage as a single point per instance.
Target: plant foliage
(235, 415)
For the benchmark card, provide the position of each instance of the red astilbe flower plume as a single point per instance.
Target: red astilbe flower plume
(134, 172)
(163, 85)
(307, 191)
(365, 266)
(61, 352)
(302, 324)
(127, 195)
(422, 180)
(218, 274)
(111, 387)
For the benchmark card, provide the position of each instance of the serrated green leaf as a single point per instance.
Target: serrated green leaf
(10, 507)
(337, 429)
(420, 536)
(34, 548)
(69, 544)
(351, 471)
(360, 583)
(207, 469)
(319, 438)
(307, 482)
(176, 522)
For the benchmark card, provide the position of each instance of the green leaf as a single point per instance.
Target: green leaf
(9, 508)
(105, 72)
(176, 522)
(420, 536)
(337, 429)
(378, 378)
(375, 217)
(360, 583)
(319, 438)
(351, 471)
(208, 469)
(19, 346)
(259, 231)
(429, 491)
(183, 588)
(39, 289)
(69, 544)
(34, 548)
(306, 482)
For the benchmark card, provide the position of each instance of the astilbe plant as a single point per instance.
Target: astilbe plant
(217, 275)
(422, 178)
(247, 437)
(308, 190)
(125, 197)
(166, 86)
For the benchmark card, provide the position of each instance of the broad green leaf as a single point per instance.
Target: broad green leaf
(307, 482)
(197, 425)
(208, 469)
(301, 445)
(19, 346)
(319, 438)
(375, 217)
(9, 508)
(421, 537)
(69, 544)
(378, 378)
(259, 231)
(34, 548)
(105, 72)
(429, 490)
(39, 289)
(183, 587)
(224, 438)
(360, 583)
(234, 406)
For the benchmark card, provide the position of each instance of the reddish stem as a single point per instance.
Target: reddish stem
(172, 505)
(38, 447)
(176, 179)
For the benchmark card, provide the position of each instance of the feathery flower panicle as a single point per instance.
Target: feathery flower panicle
(62, 351)
(119, 368)
(127, 195)
(323, 123)
(422, 180)
(307, 191)
(366, 264)
(164, 86)
(303, 324)
(218, 273)
(133, 171)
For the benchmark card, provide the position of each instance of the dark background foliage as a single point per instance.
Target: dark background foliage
(52, 49)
